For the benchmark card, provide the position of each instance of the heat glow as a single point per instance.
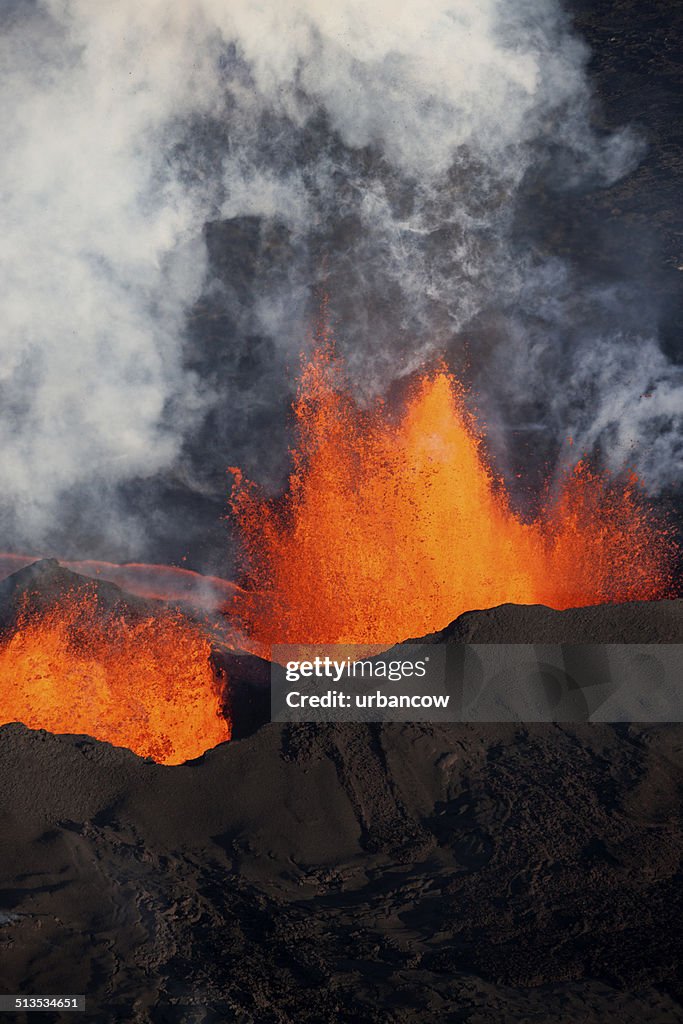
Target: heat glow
(393, 526)
(146, 684)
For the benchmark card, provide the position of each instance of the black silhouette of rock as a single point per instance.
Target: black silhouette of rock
(43, 583)
(642, 622)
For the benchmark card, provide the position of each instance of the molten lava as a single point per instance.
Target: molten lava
(146, 683)
(392, 528)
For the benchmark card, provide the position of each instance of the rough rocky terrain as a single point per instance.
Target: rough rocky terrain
(349, 873)
(360, 872)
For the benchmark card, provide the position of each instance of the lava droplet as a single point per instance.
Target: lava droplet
(393, 526)
(145, 683)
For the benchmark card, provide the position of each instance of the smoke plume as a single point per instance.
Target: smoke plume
(178, 183)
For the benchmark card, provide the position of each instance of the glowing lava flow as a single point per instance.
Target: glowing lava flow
(146, 684)
(392, 529)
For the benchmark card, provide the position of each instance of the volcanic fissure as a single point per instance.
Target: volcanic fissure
(392, 525)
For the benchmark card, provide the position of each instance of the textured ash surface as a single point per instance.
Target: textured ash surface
(319, 873)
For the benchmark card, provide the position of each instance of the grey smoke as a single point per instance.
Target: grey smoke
(176, 182)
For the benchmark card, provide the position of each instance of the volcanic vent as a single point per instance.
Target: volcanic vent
(393, 525)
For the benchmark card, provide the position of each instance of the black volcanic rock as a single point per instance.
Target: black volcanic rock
(314, 874)
(641, 622)
(44, 583)
(317, 873)
(247, 689)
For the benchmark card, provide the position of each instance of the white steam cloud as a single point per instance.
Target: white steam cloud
(389, 137)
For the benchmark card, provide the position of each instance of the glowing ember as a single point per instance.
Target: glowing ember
(145, 684)
(392, 529)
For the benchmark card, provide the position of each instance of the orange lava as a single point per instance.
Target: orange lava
(146, 684)
(392, 527)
